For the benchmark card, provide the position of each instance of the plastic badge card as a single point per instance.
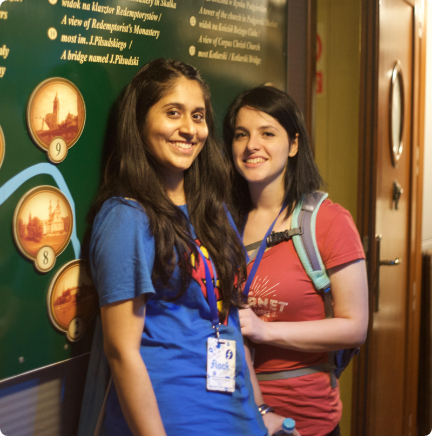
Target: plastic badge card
(221, 355)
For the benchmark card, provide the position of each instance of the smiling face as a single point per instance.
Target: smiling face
(261, 147)
(175, 129)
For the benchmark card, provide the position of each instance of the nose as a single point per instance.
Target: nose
(253, 144)
(187, 127)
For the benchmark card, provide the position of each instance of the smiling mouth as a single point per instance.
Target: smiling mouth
(183, 145)
(255, 160)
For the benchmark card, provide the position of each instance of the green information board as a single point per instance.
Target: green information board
(63, 65)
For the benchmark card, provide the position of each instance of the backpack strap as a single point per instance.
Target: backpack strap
(304, 217)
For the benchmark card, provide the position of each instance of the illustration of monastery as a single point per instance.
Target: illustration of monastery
(55, 223)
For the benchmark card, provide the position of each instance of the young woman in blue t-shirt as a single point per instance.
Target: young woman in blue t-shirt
(159, 212)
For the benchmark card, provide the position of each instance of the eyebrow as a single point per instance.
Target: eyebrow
(260, 128)
(181, 105)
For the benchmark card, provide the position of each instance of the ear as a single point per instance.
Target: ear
(293, 147)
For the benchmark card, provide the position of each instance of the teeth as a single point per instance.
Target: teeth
(184, 145)
(255, 160)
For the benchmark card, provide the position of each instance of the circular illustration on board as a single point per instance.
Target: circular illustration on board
(56, 117)
(2, 147)
(42, 225)
(72, 300)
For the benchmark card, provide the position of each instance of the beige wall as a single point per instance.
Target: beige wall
(337, 107)
(337, 119)
(427, 174)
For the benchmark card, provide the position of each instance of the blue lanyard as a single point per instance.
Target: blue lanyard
(211, 297)
(259, 256)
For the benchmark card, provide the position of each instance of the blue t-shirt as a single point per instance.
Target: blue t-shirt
(174, 341)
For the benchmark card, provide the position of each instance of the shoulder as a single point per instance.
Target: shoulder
(121, 251)
(328, 209)
(119, 209)
(120, 221)
(337, 235)
(331, 213)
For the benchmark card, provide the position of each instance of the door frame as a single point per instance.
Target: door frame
(301, 58)
(368, 153)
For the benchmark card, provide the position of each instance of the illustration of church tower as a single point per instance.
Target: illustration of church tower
(57, 224)
(57, 212)
(56, 112)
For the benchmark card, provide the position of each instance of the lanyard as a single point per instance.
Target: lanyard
(211, 297)
(259, 256)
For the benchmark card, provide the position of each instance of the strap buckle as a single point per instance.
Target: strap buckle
(277, 237)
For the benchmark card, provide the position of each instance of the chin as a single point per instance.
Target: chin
(254, 178)
(180, 168)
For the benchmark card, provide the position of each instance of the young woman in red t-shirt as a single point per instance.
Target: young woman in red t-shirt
(266, 139)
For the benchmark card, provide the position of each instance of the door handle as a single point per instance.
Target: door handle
(395, 262)
(380, 263)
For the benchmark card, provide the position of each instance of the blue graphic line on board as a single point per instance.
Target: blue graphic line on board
(43, 168)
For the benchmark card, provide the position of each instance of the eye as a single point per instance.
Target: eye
(199, 117)
(173, 113)
(268, 134)
(239, 135)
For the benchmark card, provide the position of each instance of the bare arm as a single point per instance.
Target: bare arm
(123, 324)
(346, 330)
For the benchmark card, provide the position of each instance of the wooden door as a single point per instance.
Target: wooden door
(389, 305)
(385, 389)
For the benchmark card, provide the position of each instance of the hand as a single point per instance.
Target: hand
(251, 326)
(273, 422)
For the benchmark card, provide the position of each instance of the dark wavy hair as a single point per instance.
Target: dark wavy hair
(301, 175)
(133, 172)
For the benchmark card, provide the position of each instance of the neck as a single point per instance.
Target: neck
(174, 186)
(267, 196)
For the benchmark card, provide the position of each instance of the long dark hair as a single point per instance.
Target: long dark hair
(133, 172)
(301, 175)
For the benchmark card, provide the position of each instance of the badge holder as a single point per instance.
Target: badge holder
(221, 353)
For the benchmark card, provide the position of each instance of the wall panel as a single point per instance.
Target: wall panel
(98, 47)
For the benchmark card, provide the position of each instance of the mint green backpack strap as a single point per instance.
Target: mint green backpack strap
(304, 217)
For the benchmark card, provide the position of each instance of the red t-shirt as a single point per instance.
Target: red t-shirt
(282, 291)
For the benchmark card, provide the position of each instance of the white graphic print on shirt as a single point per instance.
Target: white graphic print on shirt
(261, 301)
